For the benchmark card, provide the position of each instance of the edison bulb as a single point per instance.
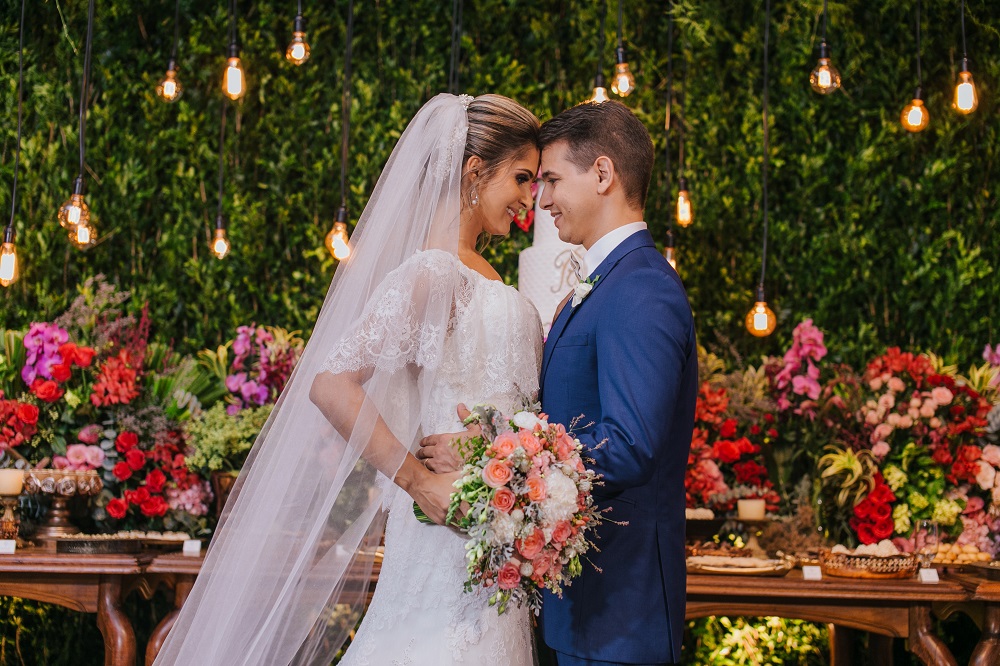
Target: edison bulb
(83, 236)
(337, 241)
(624, 82)
(220, 244)
(298, 50)
(760, 321)
(170, 89)
(915, 116)
(825, 78)
(599, 96)
(74, 212)
(8, 264)
(233, 82)
(966, 98)
(685, 213)
(671, 256)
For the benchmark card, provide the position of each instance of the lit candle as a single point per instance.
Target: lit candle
(11, 481)
(750, 509)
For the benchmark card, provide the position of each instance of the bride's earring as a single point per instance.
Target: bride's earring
(475, 196)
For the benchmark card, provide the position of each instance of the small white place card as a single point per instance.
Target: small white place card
(192, 547)
(812, 572)
(929, 575)
(8, 546)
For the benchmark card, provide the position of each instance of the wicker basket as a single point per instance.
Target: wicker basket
(865, 566)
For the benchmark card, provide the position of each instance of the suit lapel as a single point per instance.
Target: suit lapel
(637, 240)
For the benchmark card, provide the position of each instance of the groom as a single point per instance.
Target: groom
(625, 357)
(622, 353)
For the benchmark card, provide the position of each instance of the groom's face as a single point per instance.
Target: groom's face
(568, 194)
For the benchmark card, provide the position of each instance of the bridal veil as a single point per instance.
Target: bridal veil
(286, 575)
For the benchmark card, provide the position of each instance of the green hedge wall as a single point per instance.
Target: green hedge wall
(882, 237)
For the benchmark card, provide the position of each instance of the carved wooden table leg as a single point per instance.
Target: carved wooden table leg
(119, 638)
(924, 643)
(182, 588)
(841, 645)
(987, 651)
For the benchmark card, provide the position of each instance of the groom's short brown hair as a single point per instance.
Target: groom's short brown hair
(610, 129)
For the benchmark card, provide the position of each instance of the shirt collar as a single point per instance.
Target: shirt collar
(606, 244)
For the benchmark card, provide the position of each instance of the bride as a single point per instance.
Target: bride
(415, 323)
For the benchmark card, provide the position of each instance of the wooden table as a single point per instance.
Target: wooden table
(88, 583)
(178, 572)
(895, 608)
(987, 593)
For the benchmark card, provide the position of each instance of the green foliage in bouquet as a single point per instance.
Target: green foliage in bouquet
(220, 441)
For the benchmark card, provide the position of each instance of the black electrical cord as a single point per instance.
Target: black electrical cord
(346, 105)
(222, 147)
(86, 82)
(767, 33)
(9, 231)
(599, 78)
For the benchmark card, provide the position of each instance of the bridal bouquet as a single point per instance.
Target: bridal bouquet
(529, 507)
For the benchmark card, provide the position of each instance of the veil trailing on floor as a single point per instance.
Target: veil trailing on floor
(286, 576)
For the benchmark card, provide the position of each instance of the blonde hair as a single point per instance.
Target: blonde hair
(500, 131)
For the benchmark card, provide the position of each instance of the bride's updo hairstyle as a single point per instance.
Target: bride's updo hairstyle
(500, 131)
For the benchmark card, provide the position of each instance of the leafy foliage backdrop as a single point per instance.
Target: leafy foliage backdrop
(881, 237)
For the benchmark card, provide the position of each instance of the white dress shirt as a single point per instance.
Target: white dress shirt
(606, 244)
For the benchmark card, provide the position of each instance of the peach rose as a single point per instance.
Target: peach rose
(536, 488)
(876, 383)
(531, 545)
(561, 532)
(504, 499)
(896, 384)
(509, 576)
(505, 444)
(928, 409)
(530, 442)
(942, 395)
(497, 474)
(565, 446)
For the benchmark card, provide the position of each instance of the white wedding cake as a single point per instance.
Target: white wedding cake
(545, 274)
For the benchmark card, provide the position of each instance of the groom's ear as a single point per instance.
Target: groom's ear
(605, 170)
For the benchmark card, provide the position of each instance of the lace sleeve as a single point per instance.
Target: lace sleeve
(405, 319)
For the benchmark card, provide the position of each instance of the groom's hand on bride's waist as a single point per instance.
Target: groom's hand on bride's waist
(439, 453)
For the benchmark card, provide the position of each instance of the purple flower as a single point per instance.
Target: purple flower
(235, 382)
(28, 374)
(233, 410)
(992, 356)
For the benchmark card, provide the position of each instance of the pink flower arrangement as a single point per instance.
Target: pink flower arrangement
(799, 374)
(264, 358)
(531, 507)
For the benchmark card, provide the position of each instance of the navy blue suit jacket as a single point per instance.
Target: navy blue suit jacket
(626, 359)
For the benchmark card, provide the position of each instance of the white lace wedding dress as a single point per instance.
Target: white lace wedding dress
(420, 614)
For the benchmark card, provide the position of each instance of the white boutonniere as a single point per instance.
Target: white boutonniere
(583, 289)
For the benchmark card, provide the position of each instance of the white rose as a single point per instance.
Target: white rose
(526, 420)
(580, 292)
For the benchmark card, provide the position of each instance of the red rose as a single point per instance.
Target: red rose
(725, 451)
(772, 433)
(881, 511)
(863, 509)
(135, 459)
(882, 494)
(137, 496)
(126, 441)
(154, 506)
(117, 508)
(83, 356)
(46, 390)
(957, 410)
(728, 428)
(61, 372)
(769, 418)
(155, 480)
(865, 533)
(27, 413)
(122, 471)
(755, 429)
(942, 456)
(882, 529)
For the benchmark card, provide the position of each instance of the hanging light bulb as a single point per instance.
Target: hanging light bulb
(169, 89)
(220, 244)
(75, 210)
(760, 321)
(624, 82)
(915, 116)
(233, 81)
(966, 98)
(83, 236)
(8, 259)
(685, 214)
(298, 49)
(600, 93)
(825, 78)
(337, 241)
(669, 252)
